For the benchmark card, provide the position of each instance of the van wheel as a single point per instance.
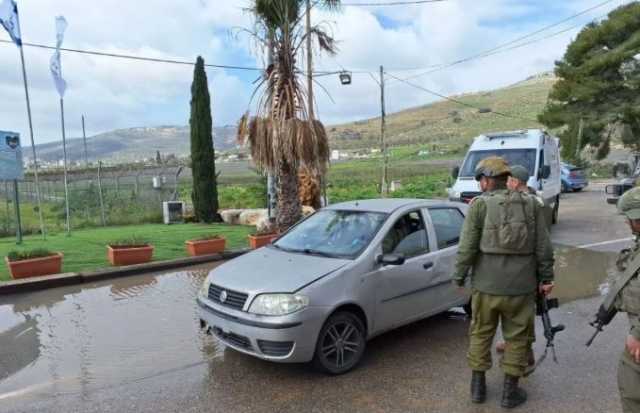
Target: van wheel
(556, 211)
(341, 344)
(468, 309)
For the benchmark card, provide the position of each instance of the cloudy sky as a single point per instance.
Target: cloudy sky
(117, 93)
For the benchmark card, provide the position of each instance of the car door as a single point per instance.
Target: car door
(400, 289)
(446, 223)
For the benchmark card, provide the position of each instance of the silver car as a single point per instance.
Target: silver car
(346, 274)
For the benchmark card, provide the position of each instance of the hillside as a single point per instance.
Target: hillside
(132, 144)
(446, 121)
(443, 121)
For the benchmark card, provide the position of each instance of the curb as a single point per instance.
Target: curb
(60, 280)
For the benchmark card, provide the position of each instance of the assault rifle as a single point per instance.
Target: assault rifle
(543, 305)
(603, 317)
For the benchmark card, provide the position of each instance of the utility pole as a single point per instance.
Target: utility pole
(84, 138)
(384, 189)
(309, 63)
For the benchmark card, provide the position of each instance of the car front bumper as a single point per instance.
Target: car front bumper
(285, 339)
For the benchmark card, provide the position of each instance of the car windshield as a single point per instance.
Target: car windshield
(332, 233)
(523, 157)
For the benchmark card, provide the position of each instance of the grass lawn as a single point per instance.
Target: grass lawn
(86, 249)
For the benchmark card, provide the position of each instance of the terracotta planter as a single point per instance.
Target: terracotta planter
(206, 246)
(129, 255)
(259, 241)
(35, 266)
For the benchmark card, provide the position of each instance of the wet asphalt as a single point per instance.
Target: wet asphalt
(134, 345)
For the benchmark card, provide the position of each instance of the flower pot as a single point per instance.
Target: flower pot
(35, 266)
(259, 241)
(205, 246)
(124, 255)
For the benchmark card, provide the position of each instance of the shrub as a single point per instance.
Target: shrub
(131, 242)
(28, 255)
(207, 237)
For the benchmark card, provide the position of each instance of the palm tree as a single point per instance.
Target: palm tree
(282, 136)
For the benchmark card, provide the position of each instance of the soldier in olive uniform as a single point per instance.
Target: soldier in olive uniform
(505, 248)
(628, 300)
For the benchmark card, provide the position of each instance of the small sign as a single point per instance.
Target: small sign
(11, 166)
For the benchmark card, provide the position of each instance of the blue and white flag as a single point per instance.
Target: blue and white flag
(10, 21)
(54, 65)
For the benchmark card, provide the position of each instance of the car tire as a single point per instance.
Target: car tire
(556, 211)
(577, 190)
(341, 344)
(564, 189)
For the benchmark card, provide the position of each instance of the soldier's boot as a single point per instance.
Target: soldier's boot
(478, 387)
(512, 395)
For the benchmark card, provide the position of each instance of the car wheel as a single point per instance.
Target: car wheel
(577, 189)
(556, 211)
(564, 189)
(341, 344)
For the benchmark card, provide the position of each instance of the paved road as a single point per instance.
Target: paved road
(134, 345)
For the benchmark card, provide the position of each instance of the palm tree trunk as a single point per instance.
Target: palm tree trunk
(289, 209)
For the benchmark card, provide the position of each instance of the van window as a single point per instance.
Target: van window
(523, 157)
(407, 237)
(447, 223)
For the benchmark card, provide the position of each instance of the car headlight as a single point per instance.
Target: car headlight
(278, 304)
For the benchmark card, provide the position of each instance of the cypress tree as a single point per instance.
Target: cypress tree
(203, 169)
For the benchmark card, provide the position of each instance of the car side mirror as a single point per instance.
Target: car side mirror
(390, 259)
(545, 171)
(455, 172)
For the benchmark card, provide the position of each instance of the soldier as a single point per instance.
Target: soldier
(506, 244)
(628, 300)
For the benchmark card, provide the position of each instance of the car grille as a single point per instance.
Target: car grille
(233, 300)
(275, 348)
(233, 339)
(467, 197)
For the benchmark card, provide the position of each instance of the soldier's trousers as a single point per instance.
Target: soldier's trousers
(516, 314)
(629, 385)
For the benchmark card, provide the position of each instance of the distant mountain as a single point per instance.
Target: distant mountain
(132, 144)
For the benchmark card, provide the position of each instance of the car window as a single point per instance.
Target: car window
(447, 223)
(407, 236)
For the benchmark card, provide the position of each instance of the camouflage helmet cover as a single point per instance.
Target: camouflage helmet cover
(492, 167)
(629, 204)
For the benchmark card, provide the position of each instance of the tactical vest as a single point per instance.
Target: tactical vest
(509, 224)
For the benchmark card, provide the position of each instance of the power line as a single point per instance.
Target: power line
(392, 3)
(500, 48)
(459, 102)
(132, 57)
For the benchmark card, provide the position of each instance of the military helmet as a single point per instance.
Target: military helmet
(492, 167)
(520, 173)
(629, 204)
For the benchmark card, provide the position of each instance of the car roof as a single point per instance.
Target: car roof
(390, 205)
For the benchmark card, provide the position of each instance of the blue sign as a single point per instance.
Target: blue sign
(11, 166)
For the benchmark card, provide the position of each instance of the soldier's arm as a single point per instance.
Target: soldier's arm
(469, 241)
(544, 249)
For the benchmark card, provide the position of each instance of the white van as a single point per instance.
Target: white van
(534, 149)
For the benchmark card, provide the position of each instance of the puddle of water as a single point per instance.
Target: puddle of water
(73, 339)
(580, 273)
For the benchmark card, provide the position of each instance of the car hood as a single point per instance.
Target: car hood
(269, 270)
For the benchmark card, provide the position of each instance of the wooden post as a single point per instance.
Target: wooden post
(384, 189)
(104, 221)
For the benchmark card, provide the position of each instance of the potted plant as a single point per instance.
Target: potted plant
(129, 251)
(205, 245)
(262, 238)
(23, 264)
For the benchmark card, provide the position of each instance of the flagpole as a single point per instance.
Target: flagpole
(64, 163)
(33, 145)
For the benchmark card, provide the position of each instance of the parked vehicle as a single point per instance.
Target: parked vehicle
(346, 274)
(534, 149)
(573, 178)
(625, 183)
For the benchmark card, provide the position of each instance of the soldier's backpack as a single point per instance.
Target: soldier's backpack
(509, 225)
